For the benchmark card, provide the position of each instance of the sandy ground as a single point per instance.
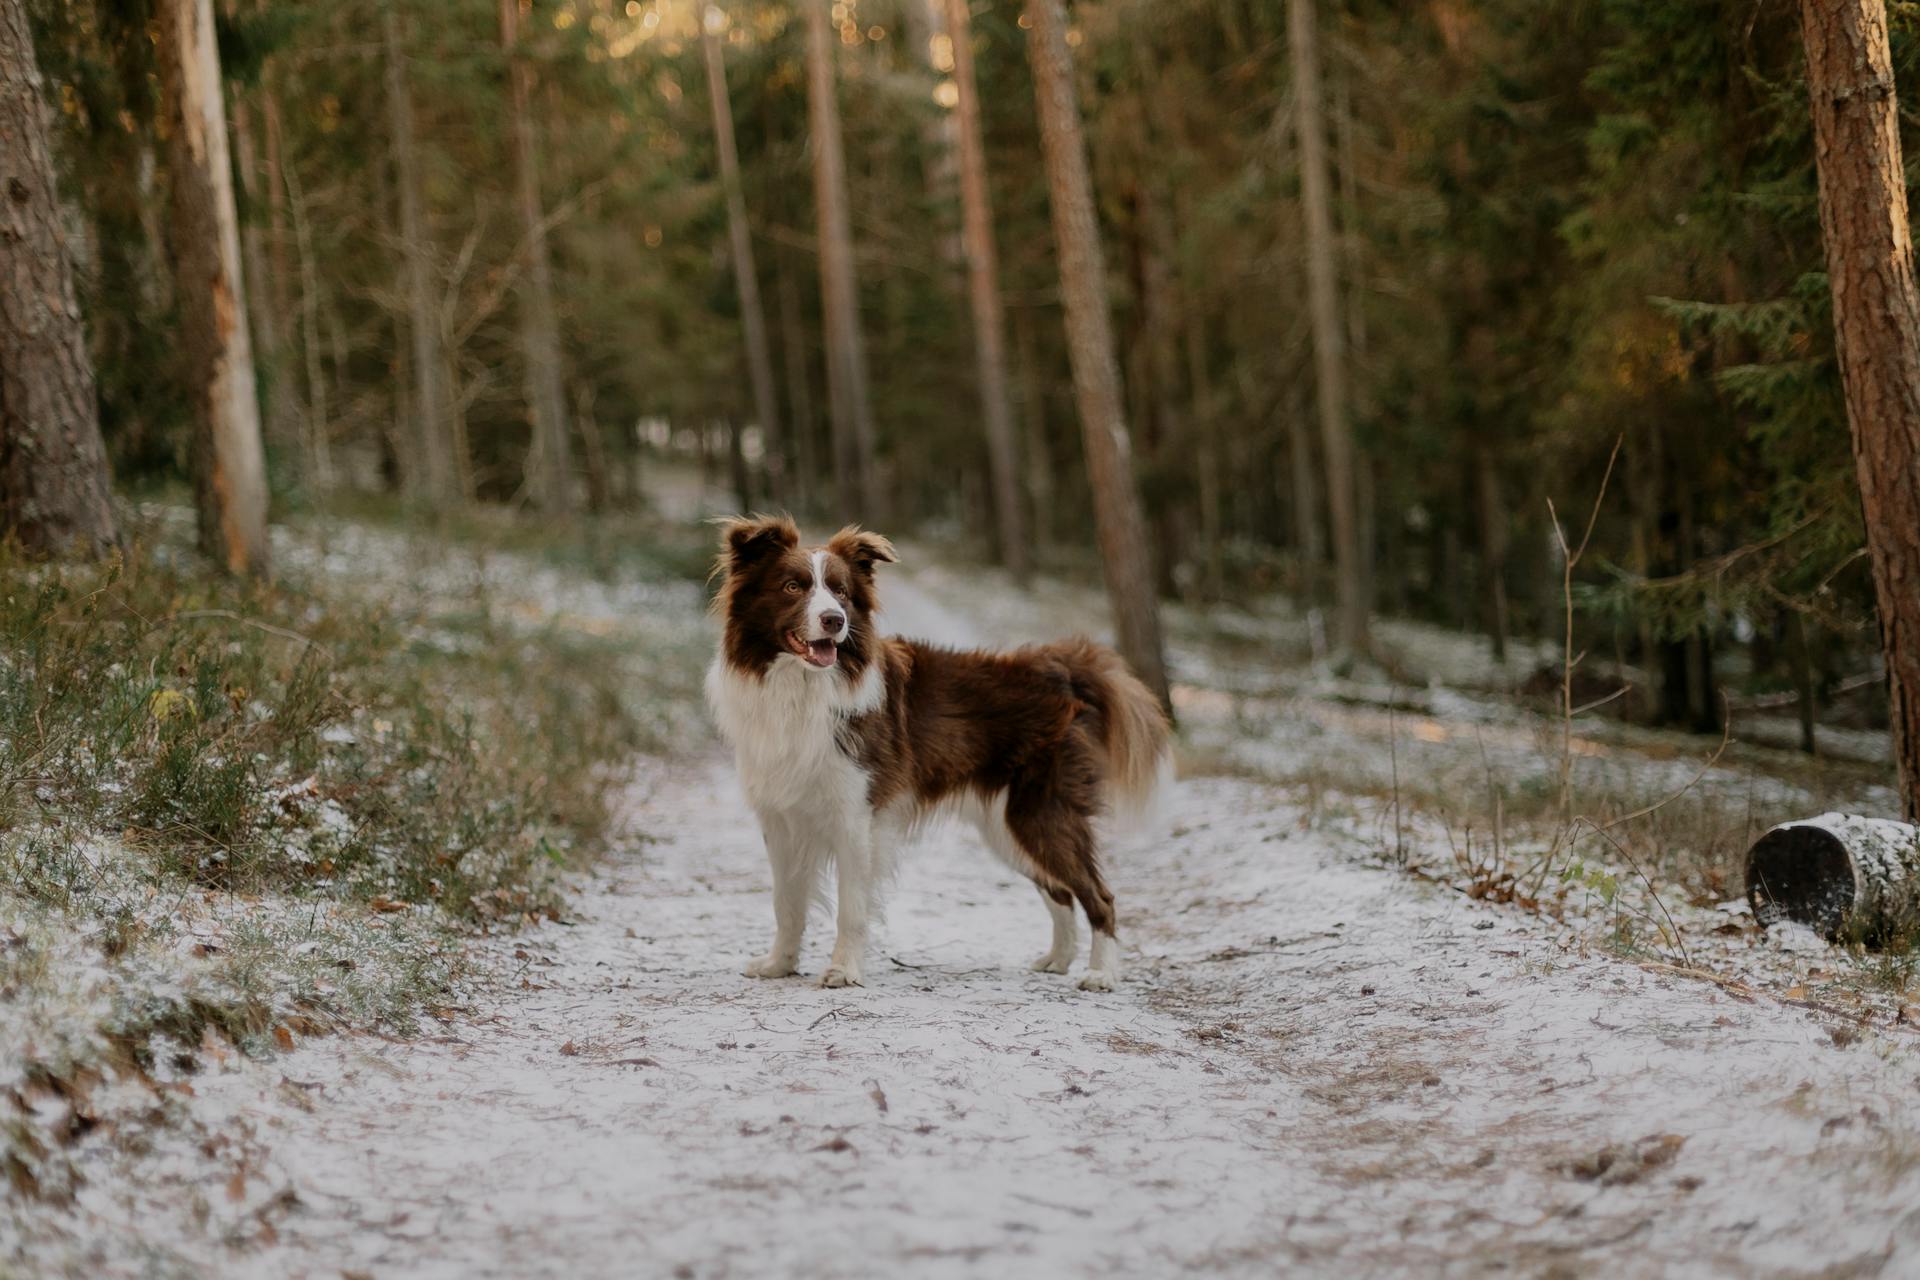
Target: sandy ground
(1316, 1063)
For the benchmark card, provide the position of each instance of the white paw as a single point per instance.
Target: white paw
(1099, 980)
(842, 975)
(1053, 963)
(769, 966)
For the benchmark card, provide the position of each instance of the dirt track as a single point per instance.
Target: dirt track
(1314, 1063)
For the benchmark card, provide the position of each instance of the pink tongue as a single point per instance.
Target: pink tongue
(821, 653)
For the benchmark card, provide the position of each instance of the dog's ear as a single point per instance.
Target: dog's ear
(747, 540)
(862, 550)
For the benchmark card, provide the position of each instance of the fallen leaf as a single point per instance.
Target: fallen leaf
(283, 1038)
(1798, 991)
(383, 903)
(570, 1049)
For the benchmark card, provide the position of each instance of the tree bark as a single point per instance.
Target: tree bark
(1096, 376)
(1493, 546)
(847, 390)
(1329, 337)
(318, 445)
(55, 496)
(431, 471)
(269, 324)
(230, 471)
(539, 330)
(1876, 323)
(793, 352)
(983, 291)
(753, 317)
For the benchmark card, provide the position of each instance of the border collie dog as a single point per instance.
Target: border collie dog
(847, 740)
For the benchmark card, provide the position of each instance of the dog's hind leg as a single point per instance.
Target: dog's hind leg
(991, 822)
(1058, 836)
(794, 870)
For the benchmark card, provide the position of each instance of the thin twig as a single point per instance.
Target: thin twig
(1621, 849)
(267, 627)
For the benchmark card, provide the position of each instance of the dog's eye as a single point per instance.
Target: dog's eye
(795, 587)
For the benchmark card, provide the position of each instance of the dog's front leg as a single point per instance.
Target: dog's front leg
(793, 874)
(855, 873)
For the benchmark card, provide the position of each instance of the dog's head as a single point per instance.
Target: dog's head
(781, 601)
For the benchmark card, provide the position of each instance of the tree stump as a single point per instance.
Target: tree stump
(1844, 876)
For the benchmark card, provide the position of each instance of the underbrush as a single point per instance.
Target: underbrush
(259, 738)
(235, 814)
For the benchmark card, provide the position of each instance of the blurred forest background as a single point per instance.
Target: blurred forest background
(1384, 278)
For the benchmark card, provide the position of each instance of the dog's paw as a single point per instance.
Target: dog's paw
(1052, 963)
(1099, 980)
(842, 975)
(769, 966)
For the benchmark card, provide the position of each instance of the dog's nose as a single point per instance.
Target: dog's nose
(832, 622)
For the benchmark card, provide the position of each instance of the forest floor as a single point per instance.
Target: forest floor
(1335, 1051)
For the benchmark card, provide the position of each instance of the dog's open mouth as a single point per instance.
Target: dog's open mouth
(818, 653)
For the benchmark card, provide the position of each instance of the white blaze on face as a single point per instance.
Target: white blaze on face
(821, 603)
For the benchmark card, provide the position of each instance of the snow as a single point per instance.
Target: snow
(1317, 1063)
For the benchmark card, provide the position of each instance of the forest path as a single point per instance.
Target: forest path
(1314, 1064)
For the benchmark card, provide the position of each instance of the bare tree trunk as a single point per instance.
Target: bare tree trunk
(539, 330)
(430, 471)
(318, 446)
(1876, 323)
(1329, 337)
(1096, 377)
(1206, 453)
(55, 496)
(1033, 411)
(1306, 498)
(593, 449)
(1493, 547)
(1800, 655)
(283, 409)
(753, 317)
(847, 392)
(269, 323)
(231, 473)
(793, 350)
(983, 286)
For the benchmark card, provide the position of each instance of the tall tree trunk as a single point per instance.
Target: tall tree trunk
(1206, 452)
(1493, 546)
(1096, 376)
(1876, 323)
(269, 324)
(1033, 412)
(283, 408)
(793, 352)
(319, 432)
(432, 472)
(1329, 336)
(847, 391)
(1305, 494)
(230, 471)
(753, 317)
(539, 330)
(54, 490)
(983, 292)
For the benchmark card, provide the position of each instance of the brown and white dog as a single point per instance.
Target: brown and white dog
(847, 740)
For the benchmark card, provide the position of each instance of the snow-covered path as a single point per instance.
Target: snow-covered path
(1315, 1064)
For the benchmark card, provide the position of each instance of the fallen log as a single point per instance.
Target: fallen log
(1849, 878)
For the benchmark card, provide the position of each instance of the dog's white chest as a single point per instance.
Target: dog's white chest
(783, 727)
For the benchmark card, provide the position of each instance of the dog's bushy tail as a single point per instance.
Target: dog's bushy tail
(1134, 728)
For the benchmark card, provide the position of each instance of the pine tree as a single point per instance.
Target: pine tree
(53, 469)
